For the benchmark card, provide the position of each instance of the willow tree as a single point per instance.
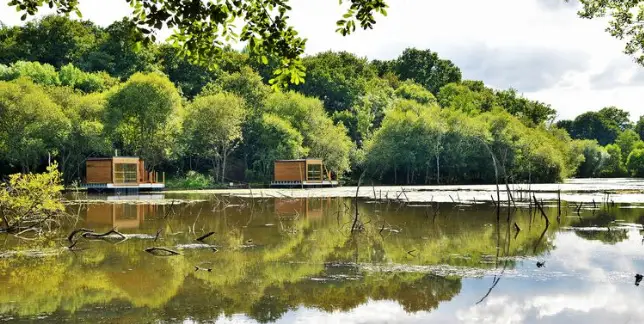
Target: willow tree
(213, 128)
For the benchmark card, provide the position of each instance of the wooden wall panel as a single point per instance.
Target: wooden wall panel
(99, 171)
(290, 171)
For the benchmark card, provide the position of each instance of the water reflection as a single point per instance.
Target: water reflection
(293, 260)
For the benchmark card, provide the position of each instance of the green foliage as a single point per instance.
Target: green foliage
(411, 90)
(460, 97)
(31, 124)
(245, 83)
(595, 158)
(635, 163)
(614, 165)
(426, 68)
(625, 23)
(321, 138)
(530, 112)
(44, 74)
(278, 140)
(192, 180)
(31, 196)
(626, 141)
(603, 126)
(212, 128)
(143, 117)
(337, 78)
(639, 126)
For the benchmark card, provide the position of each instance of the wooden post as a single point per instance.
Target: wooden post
(163, 177)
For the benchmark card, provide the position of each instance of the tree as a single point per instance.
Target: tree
(413, 91)
(460, 97)
(202, 27)
(337, 78)
(426, 68)
(321, 138)
(212, 127)
(614, 166)
(530, 112)
(593, 125)
(639, 127)
(53, 40)
(86, 136)
(44, 74)
(595, 158)
(276, 139)
(616, 117)
(625, 23)
(245, 83)
(120, 52)
(189, 78)
(635, 163)
(142, 117)
(31, 124)
(626, 141)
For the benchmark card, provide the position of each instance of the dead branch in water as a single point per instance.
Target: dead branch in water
(156, 250)
(91, 235)
(70, 238)
(355, 226)
(156, 237)
(205, 236)
(543, 213)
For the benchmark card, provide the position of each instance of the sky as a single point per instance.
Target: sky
(539, 47)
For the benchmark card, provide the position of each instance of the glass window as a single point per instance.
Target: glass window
(125, 173)
(314, 172)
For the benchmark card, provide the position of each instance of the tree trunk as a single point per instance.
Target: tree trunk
(223, 165)
(438, 169)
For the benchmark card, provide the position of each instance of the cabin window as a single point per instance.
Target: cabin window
(125, 173)
(314, 172)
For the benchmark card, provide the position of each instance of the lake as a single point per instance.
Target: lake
(290, 256)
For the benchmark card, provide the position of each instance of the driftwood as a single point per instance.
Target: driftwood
(71, 236)
(516, 227)
(91, 235)
(157, 250)
(198, 268)
(205, 236)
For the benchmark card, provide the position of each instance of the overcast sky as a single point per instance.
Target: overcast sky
(539, 47)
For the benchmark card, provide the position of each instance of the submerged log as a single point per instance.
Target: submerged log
(91, 235)
(71, 236)
(161, 251)
(205, 236)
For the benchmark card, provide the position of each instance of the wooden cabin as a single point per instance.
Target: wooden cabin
(121, 173)
(301, 173)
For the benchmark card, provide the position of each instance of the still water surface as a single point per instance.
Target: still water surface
(294, 260)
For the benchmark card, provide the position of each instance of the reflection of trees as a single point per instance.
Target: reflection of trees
(274, 276)
(605, 218)
(608, 237)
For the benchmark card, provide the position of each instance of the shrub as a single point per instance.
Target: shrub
(31, 197)
(192, 180)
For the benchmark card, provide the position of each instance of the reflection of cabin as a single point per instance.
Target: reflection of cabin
(118, 215)
(305, 207)
(301, 173)
(113, 173)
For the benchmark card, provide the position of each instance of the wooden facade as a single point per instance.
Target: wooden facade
(120, 172)
(310, 172)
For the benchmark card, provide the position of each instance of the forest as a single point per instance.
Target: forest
(70, 89)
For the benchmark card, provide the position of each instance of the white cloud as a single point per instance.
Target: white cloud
(551, 55)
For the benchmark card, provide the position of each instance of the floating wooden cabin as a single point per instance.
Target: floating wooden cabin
(301, 173)
(116, 173)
